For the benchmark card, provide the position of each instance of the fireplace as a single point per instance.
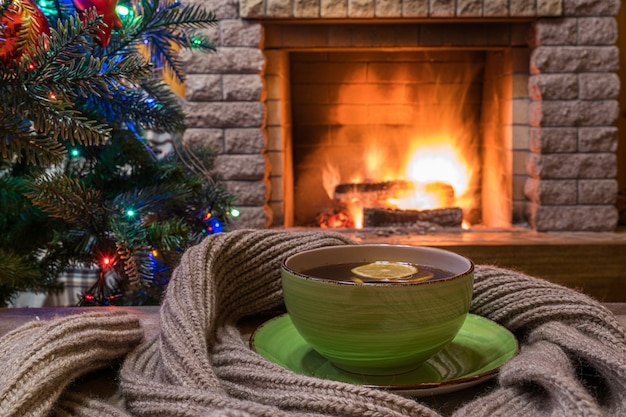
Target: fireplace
(300, 92)
(398, 130)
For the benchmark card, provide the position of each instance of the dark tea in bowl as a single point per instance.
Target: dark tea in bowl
(377, 309)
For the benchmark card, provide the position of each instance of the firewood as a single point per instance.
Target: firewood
(385, 217)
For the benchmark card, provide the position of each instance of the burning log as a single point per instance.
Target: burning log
(377, 194)
(384, 217)
(371, 193)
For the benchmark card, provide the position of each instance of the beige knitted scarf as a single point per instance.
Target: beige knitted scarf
(572, 360)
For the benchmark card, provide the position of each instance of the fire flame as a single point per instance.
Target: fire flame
(438, 170)
(431, 168)
(425, 141)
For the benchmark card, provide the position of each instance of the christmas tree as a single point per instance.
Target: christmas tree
(83, 87)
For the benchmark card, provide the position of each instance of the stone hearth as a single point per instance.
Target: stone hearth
(561, 93)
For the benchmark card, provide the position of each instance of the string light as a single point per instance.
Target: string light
(106, 261)
(122, 10)
(130, 213)
(75, 152)
(52, 96)
(234, 212)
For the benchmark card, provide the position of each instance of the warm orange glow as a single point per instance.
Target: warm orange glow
(422, 133)
(440, 175)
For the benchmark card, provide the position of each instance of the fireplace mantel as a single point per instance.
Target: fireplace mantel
(564, 133)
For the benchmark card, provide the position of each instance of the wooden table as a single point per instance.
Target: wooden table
(103, 383)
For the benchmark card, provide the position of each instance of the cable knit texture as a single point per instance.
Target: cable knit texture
(572, 360)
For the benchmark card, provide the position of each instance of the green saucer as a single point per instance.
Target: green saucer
(474, 356)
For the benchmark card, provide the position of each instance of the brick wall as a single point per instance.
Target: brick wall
(563, 112)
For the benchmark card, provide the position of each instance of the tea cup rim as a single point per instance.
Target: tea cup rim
(454, 276)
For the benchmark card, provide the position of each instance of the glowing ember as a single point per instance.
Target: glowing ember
(417, 130)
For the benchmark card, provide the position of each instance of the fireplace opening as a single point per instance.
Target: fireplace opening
(379, 135)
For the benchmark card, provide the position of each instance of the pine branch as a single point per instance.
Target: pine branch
(65, 198)
(15, 269)
(41, 98)
(177, 15)
(167, 27)
(17, 273)
(20, 141)
(170, 235)
(153, 106)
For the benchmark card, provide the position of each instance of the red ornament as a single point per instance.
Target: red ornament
(105, 8)
(20, 13)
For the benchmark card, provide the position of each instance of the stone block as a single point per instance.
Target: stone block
(200, 87)
(442, 8)
(252, 9)
(248, 193)
(599, 86)
(573, 113)
(596, 218)
(551, 192)
(360, 8)
(253, 217)
(597, 165)
(237, 32)
(244, 141)
(553, 87)
(277, 213)
(333, 8)
(549, 7)
(597, 191)
(414, 8)
(553, 139)
(598, 139)
(223, 9)
(237, 60)
(278, 8)
(388, 8)
(241, 167)
(467, 8)
(599, 59)
(306, 8)
(519, 8)
(555, 32)
(591, 7)
(224, 114)
(242, 87)
(495, 8)
(597, 31)
(572, 165)
(558, 59)
(214, 138)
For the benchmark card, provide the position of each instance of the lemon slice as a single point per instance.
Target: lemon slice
(385, 270)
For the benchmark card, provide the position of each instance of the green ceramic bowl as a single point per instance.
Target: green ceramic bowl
(377, 328)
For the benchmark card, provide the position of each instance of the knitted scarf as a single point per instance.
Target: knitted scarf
(572, 360)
